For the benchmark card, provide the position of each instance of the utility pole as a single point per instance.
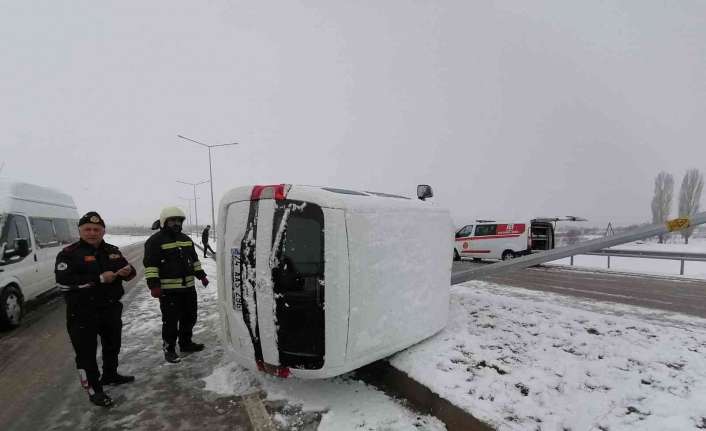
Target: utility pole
(210, 173)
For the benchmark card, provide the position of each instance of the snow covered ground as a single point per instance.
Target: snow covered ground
(524, 360)
(123, 240)
(646, 266)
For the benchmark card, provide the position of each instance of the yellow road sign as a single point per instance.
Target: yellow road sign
(677, 224)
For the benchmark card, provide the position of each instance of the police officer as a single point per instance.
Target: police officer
(90, 273)
(171, 263)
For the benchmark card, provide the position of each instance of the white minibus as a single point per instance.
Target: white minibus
(35, 223)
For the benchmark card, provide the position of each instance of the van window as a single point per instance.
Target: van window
(343, 191)
(486, 229)
(63, 231)
(44, 232)
(15, 228)
(299, 285)
(465, 231)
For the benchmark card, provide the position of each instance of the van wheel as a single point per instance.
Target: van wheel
(10, 307)
(508, 254)
(456, 255)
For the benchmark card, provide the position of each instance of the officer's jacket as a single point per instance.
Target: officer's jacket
(79, 266)
(171, 261)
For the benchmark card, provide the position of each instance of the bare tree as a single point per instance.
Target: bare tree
(689, 197)
(662, 200)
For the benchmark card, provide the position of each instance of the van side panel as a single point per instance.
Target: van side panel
(400, 264)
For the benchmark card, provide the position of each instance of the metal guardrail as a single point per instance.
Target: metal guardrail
(647, 254)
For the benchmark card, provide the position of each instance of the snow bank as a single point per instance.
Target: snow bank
(531, 360)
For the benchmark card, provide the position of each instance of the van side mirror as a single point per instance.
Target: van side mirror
(22, 247)
(155, 225)
(424, 191)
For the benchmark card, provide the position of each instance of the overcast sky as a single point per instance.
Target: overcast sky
(508, 109)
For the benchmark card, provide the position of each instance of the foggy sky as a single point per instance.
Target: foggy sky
(508, 109)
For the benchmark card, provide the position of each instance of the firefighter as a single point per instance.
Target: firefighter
(90, 273)
(171, 264)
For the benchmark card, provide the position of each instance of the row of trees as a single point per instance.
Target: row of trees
(689, 198)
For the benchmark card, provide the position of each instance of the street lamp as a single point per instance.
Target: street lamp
(210, 172)
(196, 213)
(190, 218)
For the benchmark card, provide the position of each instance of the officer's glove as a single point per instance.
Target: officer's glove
(156, 292)
(204, 281)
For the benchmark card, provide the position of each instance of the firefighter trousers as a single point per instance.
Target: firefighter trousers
(179, 312)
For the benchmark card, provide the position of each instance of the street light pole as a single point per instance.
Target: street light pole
(196, 212)
(210, 173)
(188, 213)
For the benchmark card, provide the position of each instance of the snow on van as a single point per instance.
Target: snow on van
(35, 223)
(311, 283)
(503, 240)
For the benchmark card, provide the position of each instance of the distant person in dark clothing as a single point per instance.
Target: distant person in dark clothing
(204, 240)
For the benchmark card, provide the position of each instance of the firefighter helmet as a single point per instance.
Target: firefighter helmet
(170, 212)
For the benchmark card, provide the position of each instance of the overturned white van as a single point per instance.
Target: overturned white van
(35, 223)
(316, 281)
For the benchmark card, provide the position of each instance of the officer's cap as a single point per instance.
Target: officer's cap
(91, 217)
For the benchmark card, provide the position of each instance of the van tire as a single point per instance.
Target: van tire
(457, 257)
(11, 307)
(508, 254)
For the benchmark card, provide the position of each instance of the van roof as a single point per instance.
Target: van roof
(31, 199)
(334, 197)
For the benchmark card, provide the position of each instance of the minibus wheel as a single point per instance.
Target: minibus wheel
(10, 307)
(508, 254)
(456, 255)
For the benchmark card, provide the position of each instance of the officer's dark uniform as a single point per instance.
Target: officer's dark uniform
(93, 308)
(171, 264)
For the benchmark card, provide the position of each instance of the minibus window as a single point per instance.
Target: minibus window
(486, 229)
(63, 233)
(44, 232)
(15, 228)
(73, 229)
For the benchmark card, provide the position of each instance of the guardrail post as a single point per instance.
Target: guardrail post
(571, 262)
(608, 262)
(681, 270)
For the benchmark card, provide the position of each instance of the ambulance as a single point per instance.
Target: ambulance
(503, 240)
